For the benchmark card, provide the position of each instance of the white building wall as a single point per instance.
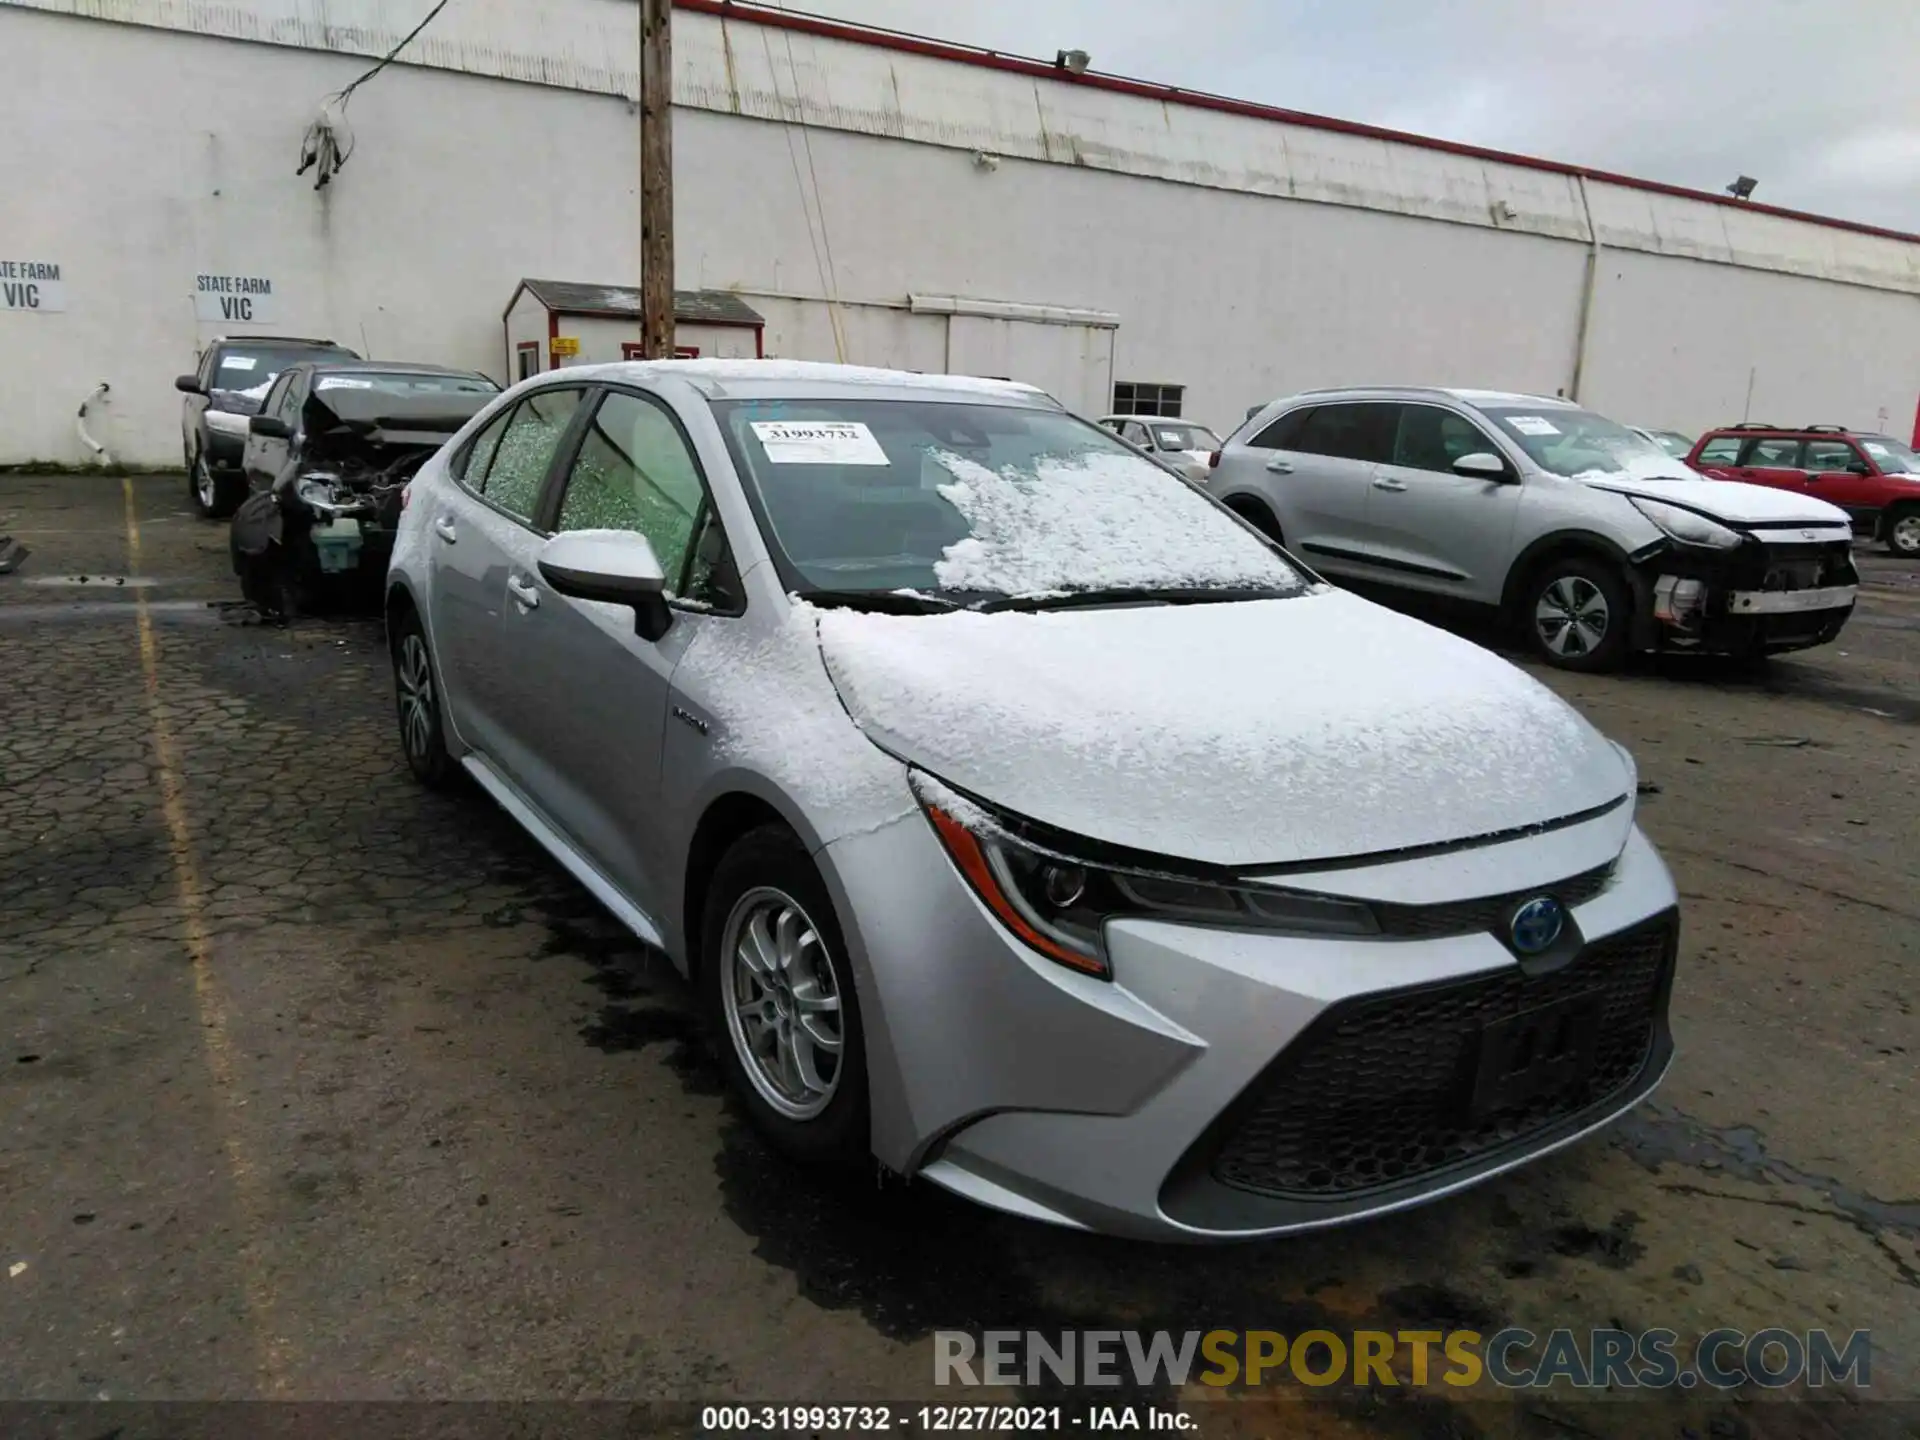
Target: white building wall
(1244, 257)
(1813, 352)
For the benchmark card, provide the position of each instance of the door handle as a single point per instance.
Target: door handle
(1387, 482)
(443, 527)
(1280, 467)
(522, 592)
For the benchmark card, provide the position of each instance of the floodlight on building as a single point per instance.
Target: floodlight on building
(1742, 187)
(1074, 62)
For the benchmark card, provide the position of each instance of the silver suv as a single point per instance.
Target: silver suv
(1587, 536)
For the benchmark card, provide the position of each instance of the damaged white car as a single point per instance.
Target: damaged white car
(326, 460)
(1022, 817)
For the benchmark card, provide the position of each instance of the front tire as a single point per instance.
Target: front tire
(423, 735)
(215, 496)
(1576, 612)
(1903, 533)
(777, 988)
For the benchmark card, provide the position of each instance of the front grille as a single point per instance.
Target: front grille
(1797, 567)
(1465, 917)
(1377, 1091)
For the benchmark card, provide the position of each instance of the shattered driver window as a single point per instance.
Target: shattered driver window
(526, 450)
(634, 472)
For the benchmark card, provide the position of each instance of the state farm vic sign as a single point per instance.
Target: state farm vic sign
(32, 285)
(235, 299)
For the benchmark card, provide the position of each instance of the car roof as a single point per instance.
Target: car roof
(387, 367)
(278, 340)
(1478, 399)
(806, 379)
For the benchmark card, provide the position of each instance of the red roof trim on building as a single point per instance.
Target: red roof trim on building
(1200, 100)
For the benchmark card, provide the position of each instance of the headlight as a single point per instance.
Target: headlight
(1687, 526)
(227, 423)
(317, 492)
(1059, 903)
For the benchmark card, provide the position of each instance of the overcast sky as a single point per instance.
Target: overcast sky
(1818, 99)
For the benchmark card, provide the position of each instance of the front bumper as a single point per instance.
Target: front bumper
(1759, 598)
(1126, 1107)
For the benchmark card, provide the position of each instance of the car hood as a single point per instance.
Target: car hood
(238, 402)
(1729, 500)
(1241, 734)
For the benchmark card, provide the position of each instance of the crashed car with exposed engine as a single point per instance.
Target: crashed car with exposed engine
(327, 460)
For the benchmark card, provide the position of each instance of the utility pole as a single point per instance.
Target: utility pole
(656, 179)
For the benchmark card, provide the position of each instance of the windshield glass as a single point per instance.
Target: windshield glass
(395, 383)
(1182, 437)
(252, 368)
(1578, 443)
(978, 501)
(1890, 454)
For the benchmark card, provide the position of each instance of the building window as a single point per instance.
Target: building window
(634, 350)
(1135, 397)
(528, 356)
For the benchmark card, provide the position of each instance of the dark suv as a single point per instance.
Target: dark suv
(1874, 478)
(234, 377)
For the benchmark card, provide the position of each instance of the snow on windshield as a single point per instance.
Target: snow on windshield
(1097, 521)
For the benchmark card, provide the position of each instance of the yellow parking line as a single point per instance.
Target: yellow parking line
(215, 1029)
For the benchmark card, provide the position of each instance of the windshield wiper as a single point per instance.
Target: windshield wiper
(1136, 595)
(878, 602)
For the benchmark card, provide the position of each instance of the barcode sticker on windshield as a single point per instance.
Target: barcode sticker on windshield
(342, 382)
(237, 362)
(1172, 439)
(1533, 425)
(819, 442)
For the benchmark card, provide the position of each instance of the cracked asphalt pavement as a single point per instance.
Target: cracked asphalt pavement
(316, 1086)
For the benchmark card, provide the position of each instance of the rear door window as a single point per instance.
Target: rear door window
(525, 452)
(1721, 450)
(1360, 431)
(470, 465)
(1773, 453)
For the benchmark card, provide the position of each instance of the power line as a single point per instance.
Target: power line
(387, 59)
(328, 143)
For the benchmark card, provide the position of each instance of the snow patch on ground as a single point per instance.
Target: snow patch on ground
(1096, 522)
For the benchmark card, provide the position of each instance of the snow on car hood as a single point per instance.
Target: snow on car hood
(1727, 499)
(1249, 733)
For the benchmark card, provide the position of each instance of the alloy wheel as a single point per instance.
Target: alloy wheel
(1572, 616)
(1906, 534)
(781, 994)
(415, 674)
(204, 485)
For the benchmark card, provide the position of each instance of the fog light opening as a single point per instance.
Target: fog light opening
(1679, 602)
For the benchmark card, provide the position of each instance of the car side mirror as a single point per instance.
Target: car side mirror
(189, 385)
(1858, 467)
(614, 566)
(270, 426)
(1482, 465)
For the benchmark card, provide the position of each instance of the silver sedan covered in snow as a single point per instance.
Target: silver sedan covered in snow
(1020, 815)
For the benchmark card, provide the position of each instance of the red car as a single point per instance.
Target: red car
(1874, 478)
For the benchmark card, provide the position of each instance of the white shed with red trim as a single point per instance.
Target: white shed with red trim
(603, 324)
